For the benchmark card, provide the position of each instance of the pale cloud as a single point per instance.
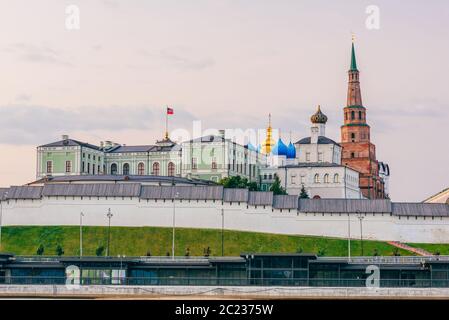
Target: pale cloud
(37, 54)
(25, 124)
(181, 57)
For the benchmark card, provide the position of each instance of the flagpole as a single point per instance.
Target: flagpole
(166, 123)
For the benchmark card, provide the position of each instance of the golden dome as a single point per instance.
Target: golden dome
(318, 117)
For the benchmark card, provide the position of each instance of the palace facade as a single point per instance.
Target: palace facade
(316, 164)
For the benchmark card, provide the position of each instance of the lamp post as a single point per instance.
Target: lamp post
(81, 234)
(174, 225)
(109, 215)
(359, 215)
(349, 237)
(1, 216)
(222, 231)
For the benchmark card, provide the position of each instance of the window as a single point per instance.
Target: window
(270, 177)
(352, 155)
(94, 158)
(352, 115)
(316, 179)
(156, 168)
(292, 178)
(113, 169)
(320, 157)
(141, 169)
(353, 136)
(68, 166)
(307, 156)
(82, 167)
(88, 168)
(336, 178)
(126, 169)
(194, 163)
(93, 168)
(326, 178)
(49, 166)
(171, 169)
(214, 163)
(360, 115)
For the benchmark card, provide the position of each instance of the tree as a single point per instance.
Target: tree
(238, 182)
(40, 250)
(59, 250)
(396, 252)
(303, 194)
(99, 251)
(276, 187)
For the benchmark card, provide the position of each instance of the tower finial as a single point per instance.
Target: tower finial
(269, 119)
(353, 61)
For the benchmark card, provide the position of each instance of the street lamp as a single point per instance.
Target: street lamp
(174, 224)
(81, 234)
(359, 215)
(222, 230)
(1, 216)
(109, 215)
(349, 237)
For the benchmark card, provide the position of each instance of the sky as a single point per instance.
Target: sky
(228, 64)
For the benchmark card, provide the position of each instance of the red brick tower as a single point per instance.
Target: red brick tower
(358, 151)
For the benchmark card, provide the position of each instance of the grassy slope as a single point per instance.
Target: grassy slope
(136, 241)
(442, 248)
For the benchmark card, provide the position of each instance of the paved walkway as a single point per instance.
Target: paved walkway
(418, 251)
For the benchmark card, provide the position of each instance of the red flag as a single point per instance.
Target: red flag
(170, 110)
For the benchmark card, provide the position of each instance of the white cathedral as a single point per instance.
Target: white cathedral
(312, 163)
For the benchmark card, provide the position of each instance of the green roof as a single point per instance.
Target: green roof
(353, 61)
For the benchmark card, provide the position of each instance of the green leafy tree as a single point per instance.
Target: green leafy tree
(303, 194)
(276, 187)
(40, 250)
(59, 250)
(99, 251)
(238, 182)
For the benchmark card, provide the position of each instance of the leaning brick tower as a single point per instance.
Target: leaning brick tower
(358, 151)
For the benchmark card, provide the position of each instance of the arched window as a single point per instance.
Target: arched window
(113, 168)
(360, 115)
(336, 178)
(126, 169)
(156, 168)
(171, 169)
(352, 115)
(326, 178)
(316, 179)
(353, 136)
(141, 169)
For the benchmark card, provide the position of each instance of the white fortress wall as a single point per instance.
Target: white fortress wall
(134, 211)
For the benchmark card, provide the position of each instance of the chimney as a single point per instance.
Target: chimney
(65, 137)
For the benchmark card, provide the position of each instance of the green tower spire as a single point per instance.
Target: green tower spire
(353, 62)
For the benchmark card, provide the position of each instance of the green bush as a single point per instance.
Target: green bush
(40, 250)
